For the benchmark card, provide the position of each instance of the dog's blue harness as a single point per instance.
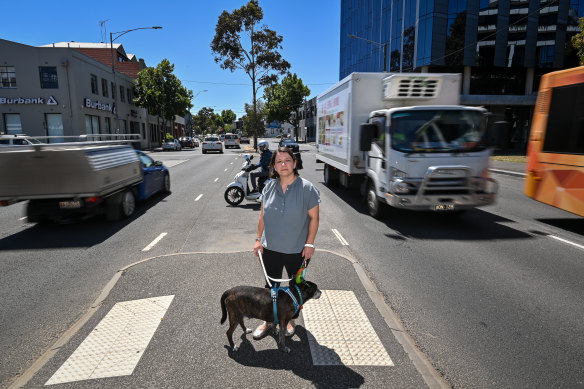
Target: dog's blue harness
(274, 293)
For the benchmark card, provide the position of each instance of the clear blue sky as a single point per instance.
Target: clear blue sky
(310, 29)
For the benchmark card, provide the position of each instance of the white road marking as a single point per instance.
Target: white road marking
(340, 237)
(567, 241)
(23, 218)
(158, 238)
(199, 197)
(339, 332)
(216, 179)
(117, 343)
(225, 170)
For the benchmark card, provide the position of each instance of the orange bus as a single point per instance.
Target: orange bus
(555, 154)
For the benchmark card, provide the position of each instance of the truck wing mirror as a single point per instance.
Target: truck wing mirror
(367, 134)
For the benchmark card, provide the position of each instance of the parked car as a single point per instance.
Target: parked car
(18, 140)
(187, 141)
(232, 140)
(156, 177)
(212, 143)
(222, 137)
(290, 143)
(196, 142)
(171, 144)
(244, 139)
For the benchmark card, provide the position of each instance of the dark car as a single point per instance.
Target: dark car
(290, 143)
(187, 141)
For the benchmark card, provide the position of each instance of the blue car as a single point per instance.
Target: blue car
(156, 177)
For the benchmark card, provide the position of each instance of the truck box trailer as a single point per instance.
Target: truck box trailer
(406, 141)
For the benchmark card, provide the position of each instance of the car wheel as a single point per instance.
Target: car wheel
(204, 152)
(128, 203)
(166, 187)
(234, 196)
(121, 205)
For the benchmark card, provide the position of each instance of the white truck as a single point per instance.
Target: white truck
(406, 141)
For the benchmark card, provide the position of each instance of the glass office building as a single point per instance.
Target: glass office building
(502, 47)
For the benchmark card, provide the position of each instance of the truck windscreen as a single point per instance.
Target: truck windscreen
(438, 131)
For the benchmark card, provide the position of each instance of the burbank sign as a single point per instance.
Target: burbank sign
(28, 100)
(88, 103)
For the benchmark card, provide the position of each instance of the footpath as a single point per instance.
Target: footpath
(156, 325)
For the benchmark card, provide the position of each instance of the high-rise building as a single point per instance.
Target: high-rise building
(501, 47)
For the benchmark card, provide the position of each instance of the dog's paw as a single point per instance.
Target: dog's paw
(235, 348)
(248, 330)
(286, 350)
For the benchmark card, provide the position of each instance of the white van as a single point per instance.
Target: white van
(232, 140)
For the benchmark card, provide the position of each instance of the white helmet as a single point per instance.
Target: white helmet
(263, 144)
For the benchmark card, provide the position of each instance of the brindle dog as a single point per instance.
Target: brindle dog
(256, 303)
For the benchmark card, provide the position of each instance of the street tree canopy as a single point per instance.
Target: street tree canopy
(240, 43)
(283, 100)
(578, 41)
(161, 92)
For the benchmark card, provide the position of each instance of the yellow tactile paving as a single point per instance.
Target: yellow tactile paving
(339, 332)
(117, 343)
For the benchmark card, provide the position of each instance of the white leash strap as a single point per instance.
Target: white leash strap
(268, 278)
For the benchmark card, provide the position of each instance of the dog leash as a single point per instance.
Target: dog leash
(268, 278)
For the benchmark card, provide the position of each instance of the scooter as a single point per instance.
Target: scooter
(239, 189)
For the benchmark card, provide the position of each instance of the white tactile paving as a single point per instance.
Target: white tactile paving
(117, 343)
(339, 332)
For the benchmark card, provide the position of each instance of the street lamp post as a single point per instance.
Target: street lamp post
(379, 44)
(113, 37)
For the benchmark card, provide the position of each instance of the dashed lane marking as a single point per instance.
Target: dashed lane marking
(339, 332)
(216, 179)
(116, 345)
(199, 197)
(154, 242)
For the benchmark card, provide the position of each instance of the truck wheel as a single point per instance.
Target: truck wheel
(331, 176)
(374, 206)
(234, 196)
(166, 187)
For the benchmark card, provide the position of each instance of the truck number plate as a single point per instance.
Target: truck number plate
(444, 207)
(69, 204)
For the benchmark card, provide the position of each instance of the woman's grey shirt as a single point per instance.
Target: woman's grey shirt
(286, 215)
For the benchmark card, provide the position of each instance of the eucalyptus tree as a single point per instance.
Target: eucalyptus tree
(578, 41)
(283, 100)
(241, 43)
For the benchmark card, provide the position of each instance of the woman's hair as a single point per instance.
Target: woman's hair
(282, 149)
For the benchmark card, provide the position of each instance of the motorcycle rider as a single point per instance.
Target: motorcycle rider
(265, 157)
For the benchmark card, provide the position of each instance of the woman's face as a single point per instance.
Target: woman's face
(284, 164)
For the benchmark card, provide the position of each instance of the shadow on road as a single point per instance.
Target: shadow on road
(575, 226)
(299, 362)
(474, 224)
(83, 233)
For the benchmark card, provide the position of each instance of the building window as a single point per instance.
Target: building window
(55, 127)
(104, 91)
(7, 77)
(108, 126)
(122, 94)
(113, 91)
(94, 84)
(91, 124)
(48, 76)
(12, 123)
(130, 97)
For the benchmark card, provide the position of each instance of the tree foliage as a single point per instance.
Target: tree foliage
(253, 120)
(283, 100)
(578, 41)
(228, 116)
(241, 43)
(161, 92)
(205, 120)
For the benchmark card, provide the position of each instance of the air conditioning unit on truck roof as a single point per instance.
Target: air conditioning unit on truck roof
(422, 89)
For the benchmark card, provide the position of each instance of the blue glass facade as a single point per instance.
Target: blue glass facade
(448, 35)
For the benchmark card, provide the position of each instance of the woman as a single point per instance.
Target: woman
(288, 223)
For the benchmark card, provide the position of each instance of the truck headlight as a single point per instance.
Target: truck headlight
(400, 186)
(397, 174)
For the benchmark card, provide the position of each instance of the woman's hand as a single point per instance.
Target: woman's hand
(307, 252)
(258, 247)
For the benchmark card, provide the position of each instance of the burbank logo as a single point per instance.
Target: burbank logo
(27, 100)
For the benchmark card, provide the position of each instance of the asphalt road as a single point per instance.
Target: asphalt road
(492, 297)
